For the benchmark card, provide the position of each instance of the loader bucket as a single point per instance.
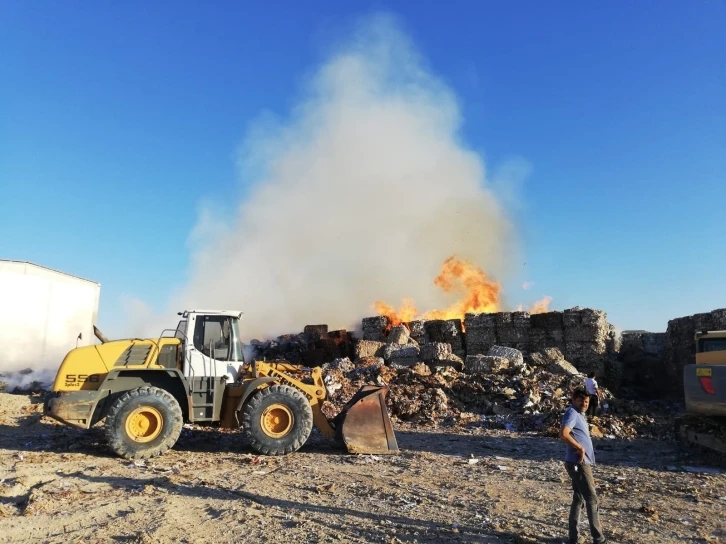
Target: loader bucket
(364, 425)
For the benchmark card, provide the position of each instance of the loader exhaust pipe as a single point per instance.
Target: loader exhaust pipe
(100, 335)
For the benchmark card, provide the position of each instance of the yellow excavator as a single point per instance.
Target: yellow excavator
(146, 389)
(703, 428)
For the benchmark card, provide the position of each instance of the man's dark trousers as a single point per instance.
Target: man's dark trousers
(594, 403)
(583, 487)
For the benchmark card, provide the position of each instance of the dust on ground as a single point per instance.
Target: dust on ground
(58, 484)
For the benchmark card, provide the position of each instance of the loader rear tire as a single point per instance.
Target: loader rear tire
(143, 423)
(277, 420)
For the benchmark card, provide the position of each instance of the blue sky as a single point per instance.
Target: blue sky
(118, 120)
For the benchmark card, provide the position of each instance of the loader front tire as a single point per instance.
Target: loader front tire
(143, 423)
(277, 420)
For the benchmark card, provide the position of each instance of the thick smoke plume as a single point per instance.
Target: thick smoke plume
(360, 195)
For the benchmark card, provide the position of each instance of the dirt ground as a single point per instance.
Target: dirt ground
(61, 485)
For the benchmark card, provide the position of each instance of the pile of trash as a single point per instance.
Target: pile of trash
(312, 347)
(501, 390)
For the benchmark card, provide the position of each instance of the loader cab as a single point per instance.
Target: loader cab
(211, 343)
(711, 347)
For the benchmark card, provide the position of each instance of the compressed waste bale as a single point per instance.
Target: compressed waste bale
(418, 331)
(681, 345)
(315, 332)
(480, 333)
(368, 348)
(447, 331)
(442, 330)
(587, 356)
(330, 348)
(563, 368)
(543, 338)
(435, 351)
(614, 339)
(544, 357)
(485, 364)
(374, 328)
(585, 325)
(397, 351)
(344, 342)
(452, 361)
(512, 327)
(398, 335)
(480, 321)
(514, 356)
(571, 317)
(403, 362)
(548, 321)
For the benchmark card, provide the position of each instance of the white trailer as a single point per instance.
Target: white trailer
(44, 314)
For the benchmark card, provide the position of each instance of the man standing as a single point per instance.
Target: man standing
(595, 394)
(578, 461)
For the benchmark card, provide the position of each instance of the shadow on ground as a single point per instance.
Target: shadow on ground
(37, 433)
(331, 519)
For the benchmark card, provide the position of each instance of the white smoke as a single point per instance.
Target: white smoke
(360, 195)
(40, 378)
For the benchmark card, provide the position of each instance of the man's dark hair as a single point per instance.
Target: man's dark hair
(591, 375)
(579, 393)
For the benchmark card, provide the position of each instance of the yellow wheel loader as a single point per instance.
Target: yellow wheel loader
(146, 389)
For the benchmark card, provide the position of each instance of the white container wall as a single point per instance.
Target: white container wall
(42, 314)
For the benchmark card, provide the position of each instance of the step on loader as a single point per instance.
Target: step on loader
(144, 390)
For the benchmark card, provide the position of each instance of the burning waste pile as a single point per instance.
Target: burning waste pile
(470, 326)
(471, 363)
(501, 390)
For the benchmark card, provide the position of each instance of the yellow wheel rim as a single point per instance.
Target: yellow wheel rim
(144, 424)
(276, 421)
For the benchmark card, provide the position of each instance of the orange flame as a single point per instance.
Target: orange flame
(407, 312)
(539, 307)
(478, 294)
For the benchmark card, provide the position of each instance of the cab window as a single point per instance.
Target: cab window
(706, 345)
(211, 336)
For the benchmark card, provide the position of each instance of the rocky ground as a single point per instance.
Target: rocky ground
(464, 483)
